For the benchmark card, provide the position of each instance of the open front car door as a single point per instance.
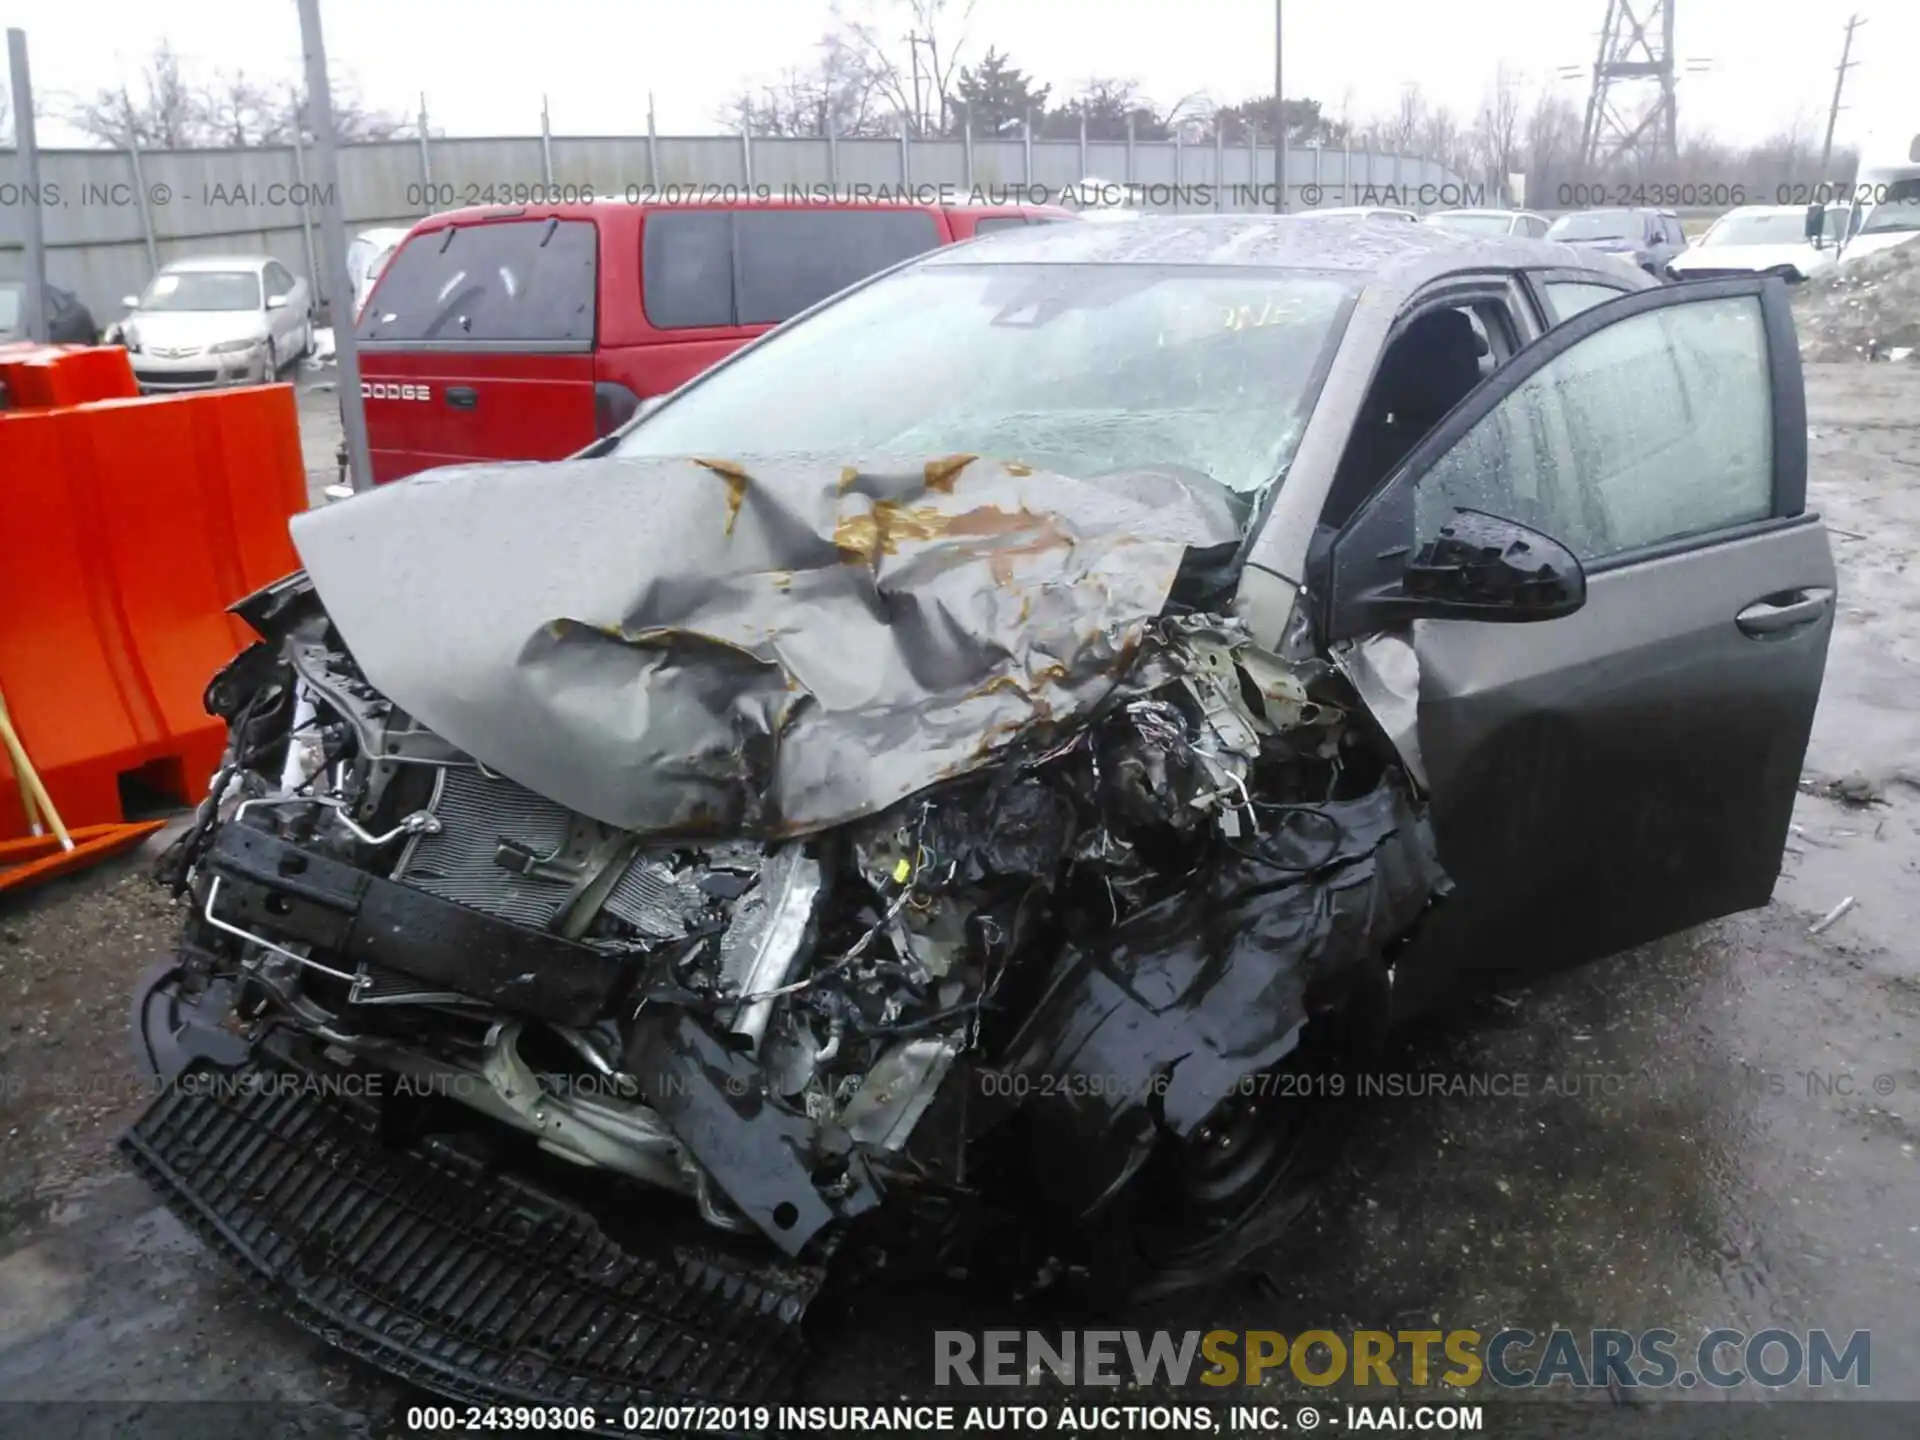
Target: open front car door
(1624, 766)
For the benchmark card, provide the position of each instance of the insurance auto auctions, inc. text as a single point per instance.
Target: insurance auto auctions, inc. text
(1124, 1419)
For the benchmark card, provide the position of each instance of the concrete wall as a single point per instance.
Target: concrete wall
(98, 219)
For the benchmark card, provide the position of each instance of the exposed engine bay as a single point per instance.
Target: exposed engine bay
(1039, 984)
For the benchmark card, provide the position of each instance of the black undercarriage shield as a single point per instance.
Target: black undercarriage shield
(479, 1287)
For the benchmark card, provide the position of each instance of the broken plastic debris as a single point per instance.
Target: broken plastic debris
(1828, 920)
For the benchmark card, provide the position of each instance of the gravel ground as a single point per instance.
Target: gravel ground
(1719, 1186)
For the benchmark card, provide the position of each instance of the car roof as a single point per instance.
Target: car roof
(219, 262)
(1630, 209)
(1392, 257)
(715, 197)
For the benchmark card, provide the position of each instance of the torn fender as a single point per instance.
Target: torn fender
(1145, 1031)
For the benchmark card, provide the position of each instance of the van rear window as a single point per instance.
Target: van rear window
(498, 282)
(760, 267)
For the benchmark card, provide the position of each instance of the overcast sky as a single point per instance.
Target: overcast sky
(484, 63)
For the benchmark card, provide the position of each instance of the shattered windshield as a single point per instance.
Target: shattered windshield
(1082, 369)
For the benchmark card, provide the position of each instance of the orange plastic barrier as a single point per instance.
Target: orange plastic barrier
(40, 376)
(130, 526)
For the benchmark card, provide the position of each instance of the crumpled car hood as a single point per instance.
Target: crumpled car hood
(691, 648)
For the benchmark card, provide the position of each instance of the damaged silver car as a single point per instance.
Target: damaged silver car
(937, 790)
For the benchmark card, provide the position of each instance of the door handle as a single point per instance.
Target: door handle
(1777, 614)
(462, 397)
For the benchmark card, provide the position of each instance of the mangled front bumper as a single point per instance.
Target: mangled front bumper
(788, 1175)
(466, 1281)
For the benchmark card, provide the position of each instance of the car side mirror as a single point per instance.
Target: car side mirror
(276, 302)
(1487, 567)
(1816, 225)
(132, 302)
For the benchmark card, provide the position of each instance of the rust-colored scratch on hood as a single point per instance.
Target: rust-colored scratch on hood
(736, 479)
(865, 536)
(942, 473)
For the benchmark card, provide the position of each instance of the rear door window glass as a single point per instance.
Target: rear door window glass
(504, 282)
(760, 267)
(687, 269)
(791, 259)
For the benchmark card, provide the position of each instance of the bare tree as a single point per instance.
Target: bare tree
(1496, 129)
(1551, 143)
(1789, 154)
(1442, 141)
(1343, 117)
(159, 109)
(917, 73)
(236, 112)
(1409, 117)
(353, 118)
(165, 108)
(823, 100)
(836, 95)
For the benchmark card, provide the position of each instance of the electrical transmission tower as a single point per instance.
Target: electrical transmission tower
(1636, 47)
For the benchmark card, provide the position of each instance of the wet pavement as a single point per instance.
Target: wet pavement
(1722, 1129)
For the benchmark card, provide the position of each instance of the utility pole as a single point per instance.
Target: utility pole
(1839, 83)
(33, 305)
(913, 50)
(333, 240)
(1279, 119)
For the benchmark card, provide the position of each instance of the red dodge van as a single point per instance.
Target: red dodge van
(525, 334)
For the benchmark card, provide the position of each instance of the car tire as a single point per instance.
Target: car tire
(1262, 1159)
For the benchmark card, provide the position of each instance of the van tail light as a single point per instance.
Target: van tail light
(613, 406)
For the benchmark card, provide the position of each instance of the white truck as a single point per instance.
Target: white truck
(1884, 203)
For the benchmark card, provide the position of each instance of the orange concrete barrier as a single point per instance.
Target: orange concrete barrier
(42, 376)
(130, 526)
